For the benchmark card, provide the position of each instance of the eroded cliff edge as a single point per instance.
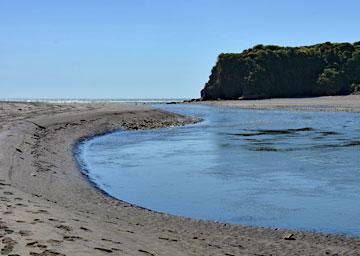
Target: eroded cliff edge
(276, 72)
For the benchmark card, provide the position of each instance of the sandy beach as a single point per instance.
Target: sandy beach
(349, 103)
(48, 207)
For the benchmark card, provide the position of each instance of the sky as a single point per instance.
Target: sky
(149, 48)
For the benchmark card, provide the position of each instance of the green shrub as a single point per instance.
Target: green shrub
(355, 88)
(274, 71)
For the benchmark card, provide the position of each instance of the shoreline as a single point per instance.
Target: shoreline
(349, 103)
(82, 168)
(63, 213)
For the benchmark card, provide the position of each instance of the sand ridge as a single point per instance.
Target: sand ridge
(49, 208)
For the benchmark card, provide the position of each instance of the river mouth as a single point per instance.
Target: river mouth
(271, 168)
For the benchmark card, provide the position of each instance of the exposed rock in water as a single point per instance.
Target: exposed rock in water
(274, 71)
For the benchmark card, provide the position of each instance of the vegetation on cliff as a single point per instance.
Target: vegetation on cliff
(273, 71)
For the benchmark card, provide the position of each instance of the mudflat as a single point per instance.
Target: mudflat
(48, 207)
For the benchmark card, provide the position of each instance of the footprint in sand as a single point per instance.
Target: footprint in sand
(168, 239)
(25, 233)
(72, 238)
(42, 211)
(35, 221)
(85, 229)
(33, 243)
(36, 244)
(54, 242)
(9, 231)
(4, 199)
(64, 227)
(21, 205)
(7, 249)
(103, 249)
(47, 253)
(56, 220)
(38, 211)
(9, 245)
(111, 241)
(146, 252)
(41, 246)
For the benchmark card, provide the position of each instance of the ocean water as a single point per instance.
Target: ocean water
(87, 100)
(270, 168)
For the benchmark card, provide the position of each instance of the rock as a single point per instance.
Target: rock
(289, 236)
(192, 100)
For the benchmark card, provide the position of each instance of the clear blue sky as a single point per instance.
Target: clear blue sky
(148, 48)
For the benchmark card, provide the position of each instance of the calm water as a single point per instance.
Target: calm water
(289, 169)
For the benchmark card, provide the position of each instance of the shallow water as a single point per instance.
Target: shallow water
(291, 169)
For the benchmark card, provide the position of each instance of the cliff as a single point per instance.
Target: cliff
(276, 72)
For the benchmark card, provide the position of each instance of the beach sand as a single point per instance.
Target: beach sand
(349, 103)
(49, 208)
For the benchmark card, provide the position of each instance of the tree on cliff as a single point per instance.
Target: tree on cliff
(274, 71)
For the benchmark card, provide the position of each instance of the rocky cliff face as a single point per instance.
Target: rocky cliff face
(273, 71)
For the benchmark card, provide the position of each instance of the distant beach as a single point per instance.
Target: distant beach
(349, 103)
